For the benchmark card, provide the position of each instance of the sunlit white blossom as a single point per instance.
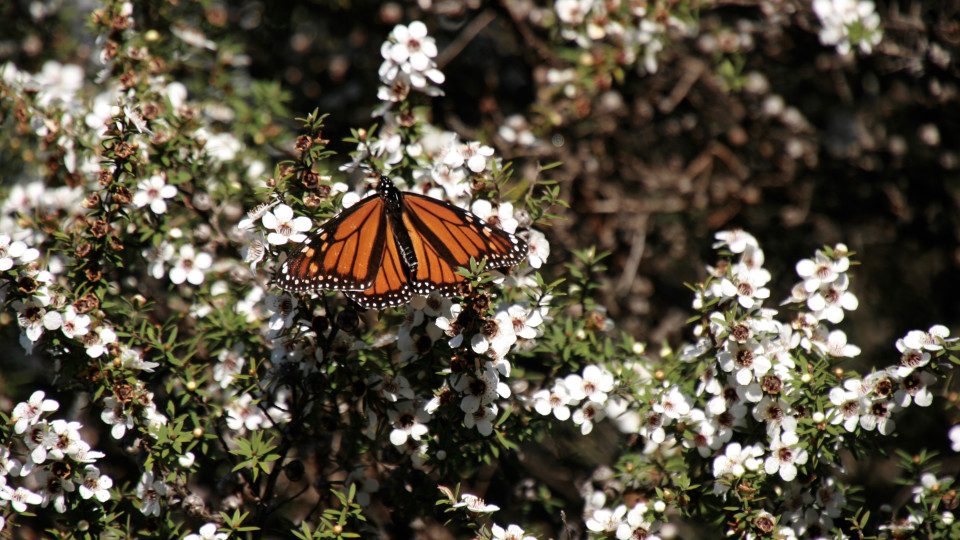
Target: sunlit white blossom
(153, 192)
(285, 227)
(190, 266)
(31, 411)
(151, 492)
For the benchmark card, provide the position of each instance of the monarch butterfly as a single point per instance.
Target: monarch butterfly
(392, 245)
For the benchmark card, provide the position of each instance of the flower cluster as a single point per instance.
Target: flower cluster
(622, 522)
(870, 402)
(754, 376)
(587, 394)
(848, 24)
(427, 320)
(476, 506)
(59, 468)
(408, 64)
(636, 32)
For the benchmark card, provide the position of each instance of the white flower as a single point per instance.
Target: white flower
(230, 364)
(572, 12)
(930, 340)
(283, 309)
(913, 388)
(116, 415)
(847, 20)
(411, 44)
(594, 385)
(703, 438)
(190, 266)
(820, 270)
(737, 460)
(830, 302)
(187, 460)
(447, 322)
(500, 216)
(928, 484)
(477, 157)
(29, 412)
(480, 389)
(588, 415)
(9, 251)
(220, 146)
(475, 504)
(409, 422)
(31, 316)
(95, 484)
(652, 428)
(496, 336)
(954, 435)
(747, 287)
(242, 412)
(784, 458)
(19, 498)
(285, 227)
(150, 491)
(636, 525)
(37, 438)
(392, 388)
(673, 404)
(254, 252)
(208, 532)
(910, 359)
(554, 401)
(70, 322)
(157, 256)
(254, 215)
(538, 248)
(59, 82)
(482, 419)
(98, 340)
(878, 416)
(133, 359)
(746, 360)
(736, 240)
(8, 465)
(526, 323)
(153, 191)
(64, 439)
(848, 403)
(838, 347)
(512, 532)
(408, 63)
(605, 520)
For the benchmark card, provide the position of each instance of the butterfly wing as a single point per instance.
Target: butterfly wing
(392, 284)
(445, 237)
(344, 254)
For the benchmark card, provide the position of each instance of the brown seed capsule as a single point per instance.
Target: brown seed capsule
(99, 228)
(87, 303)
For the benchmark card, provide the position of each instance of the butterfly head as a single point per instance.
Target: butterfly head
(390, 196)
(385, 186)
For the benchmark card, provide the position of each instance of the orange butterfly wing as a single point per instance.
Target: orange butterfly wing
(392, 285)
(445, 237)
(344, 254)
